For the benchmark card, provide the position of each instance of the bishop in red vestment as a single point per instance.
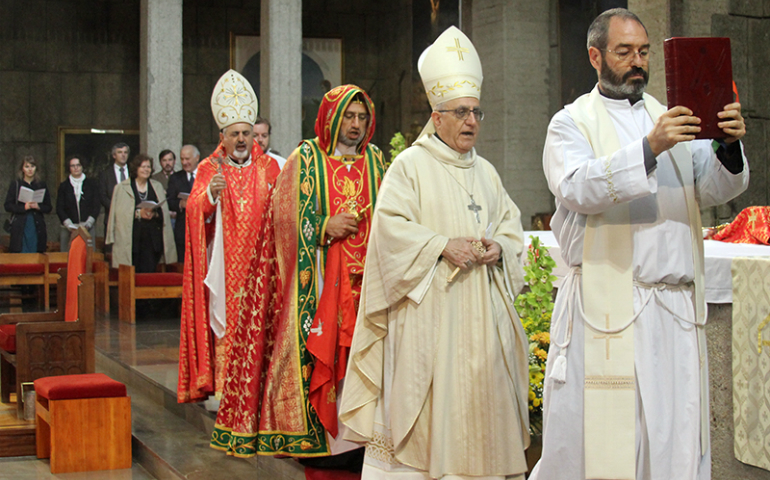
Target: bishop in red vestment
(224, 216)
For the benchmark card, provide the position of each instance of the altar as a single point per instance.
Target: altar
(719, 333)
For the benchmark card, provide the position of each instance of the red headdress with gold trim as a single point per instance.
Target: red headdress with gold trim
(330, 115)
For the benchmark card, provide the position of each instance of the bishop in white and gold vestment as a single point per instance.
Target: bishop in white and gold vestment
(437, 378)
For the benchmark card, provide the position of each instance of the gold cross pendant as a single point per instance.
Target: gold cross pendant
(241, 201)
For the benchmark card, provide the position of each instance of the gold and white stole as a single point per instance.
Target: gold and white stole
(607, 284)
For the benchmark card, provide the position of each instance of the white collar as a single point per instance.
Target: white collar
(236, 165)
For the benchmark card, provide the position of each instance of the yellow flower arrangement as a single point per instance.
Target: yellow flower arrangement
(535, 306)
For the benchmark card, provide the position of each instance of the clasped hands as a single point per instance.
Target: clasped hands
(680, 125)
(462, 254)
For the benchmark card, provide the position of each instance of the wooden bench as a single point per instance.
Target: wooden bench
(133, 286)
(26, 269)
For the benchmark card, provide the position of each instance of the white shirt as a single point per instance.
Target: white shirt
(660, 226)
(117, 171)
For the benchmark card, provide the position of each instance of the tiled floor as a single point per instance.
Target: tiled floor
(151, 347)
(30, 468)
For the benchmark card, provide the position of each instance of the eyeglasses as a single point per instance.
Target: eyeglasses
(462, 113)
(626, 55)
(76, 165)
(362, 117)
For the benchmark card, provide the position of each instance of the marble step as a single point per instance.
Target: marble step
(171, 441)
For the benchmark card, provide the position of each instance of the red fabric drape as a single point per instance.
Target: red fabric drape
(330, 337)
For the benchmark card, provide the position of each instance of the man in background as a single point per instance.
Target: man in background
(112, 176)
(262, 132)
(182, 182)
(167, 161)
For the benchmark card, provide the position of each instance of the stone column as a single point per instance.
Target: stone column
(160, 79)
(280, 95)
(513, 39)
(656, 16)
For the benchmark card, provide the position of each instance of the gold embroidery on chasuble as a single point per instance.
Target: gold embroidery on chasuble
(349, 192)
(289, 426)
(243, 203)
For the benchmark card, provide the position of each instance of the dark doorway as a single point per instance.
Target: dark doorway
(575, 16)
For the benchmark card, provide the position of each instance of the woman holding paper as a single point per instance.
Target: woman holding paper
(77, 202)
(139, 226)
(27, 200)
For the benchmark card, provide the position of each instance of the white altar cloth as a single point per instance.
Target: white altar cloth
(719, 257)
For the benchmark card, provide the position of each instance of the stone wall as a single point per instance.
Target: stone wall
(75, 63)
(514, 40)
(747, 23)
(375, 37)
(64, 63)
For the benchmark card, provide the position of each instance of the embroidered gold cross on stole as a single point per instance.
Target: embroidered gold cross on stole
(610, 398)
(241, 293)
(607, 337)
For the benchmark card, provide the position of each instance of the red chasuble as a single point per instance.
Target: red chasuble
(752, 225)
(281, 392)
(203, 357)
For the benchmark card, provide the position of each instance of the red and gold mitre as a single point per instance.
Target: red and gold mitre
(330, 115)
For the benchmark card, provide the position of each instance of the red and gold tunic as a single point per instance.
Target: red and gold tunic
(346, 189)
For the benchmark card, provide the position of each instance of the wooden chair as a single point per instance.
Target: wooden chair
(58, 260)
(35, 345)
(26, 269)
(133, 286)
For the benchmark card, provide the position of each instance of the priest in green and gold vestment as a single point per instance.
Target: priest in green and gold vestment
(299, 308)
(437, 378)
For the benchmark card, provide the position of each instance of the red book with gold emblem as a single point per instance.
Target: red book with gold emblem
(699, 76)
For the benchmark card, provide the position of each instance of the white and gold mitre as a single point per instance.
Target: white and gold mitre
(233, 100)
(450, 68)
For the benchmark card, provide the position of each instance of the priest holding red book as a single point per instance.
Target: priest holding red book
(626, 389)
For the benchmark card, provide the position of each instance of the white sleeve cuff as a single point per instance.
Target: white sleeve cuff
(211, 198)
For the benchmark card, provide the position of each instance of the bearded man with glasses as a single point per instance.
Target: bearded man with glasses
(437, 381)
(626, 389)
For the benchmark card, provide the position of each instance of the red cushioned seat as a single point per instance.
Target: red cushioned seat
(87, 385)
(8, 338)
(22, 269)
(54, 267)
(113, 275)
(158, 279)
